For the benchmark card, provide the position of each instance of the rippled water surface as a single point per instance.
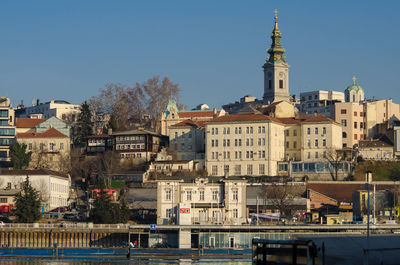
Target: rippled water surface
(104, 261)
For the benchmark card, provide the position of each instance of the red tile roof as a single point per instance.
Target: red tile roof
(343, 191)
(50, 133)
(32, 172)
(28, 122)
(190, 123)
(243, 117)
(271, 106)
(318, 118)
(189, 114)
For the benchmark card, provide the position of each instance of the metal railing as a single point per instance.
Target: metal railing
(66, 225)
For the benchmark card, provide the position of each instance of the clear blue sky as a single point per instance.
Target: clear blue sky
(213, 49)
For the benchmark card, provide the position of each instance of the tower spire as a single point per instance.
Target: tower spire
(276, 51)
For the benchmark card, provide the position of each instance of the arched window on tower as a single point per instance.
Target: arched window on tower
(344, 135)
(354, 98)
(280, 83)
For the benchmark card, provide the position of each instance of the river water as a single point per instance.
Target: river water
(117, 261)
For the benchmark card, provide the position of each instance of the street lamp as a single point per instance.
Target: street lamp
(368, 180)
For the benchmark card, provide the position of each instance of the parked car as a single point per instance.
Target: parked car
(71, 217)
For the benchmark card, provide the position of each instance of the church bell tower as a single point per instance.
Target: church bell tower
(276, 70)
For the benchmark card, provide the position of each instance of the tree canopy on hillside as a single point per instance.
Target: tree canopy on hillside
(125, 103)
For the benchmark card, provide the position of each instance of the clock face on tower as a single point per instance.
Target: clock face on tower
(281, 75)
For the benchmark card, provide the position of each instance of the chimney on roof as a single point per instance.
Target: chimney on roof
(214, 112)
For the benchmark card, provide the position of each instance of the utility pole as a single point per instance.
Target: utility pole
(257, 210)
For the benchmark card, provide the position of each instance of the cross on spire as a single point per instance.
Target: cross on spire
(354, 80)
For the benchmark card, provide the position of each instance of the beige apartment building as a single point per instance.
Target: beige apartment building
(351, 116)
(187, 139)
(50, 149)
(309, 138)
(360, 120)
(244, 144)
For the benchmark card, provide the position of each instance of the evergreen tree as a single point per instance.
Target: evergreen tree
(19, 157)
(106, 212)
(84, 125)
(102, 213)
(28, 203)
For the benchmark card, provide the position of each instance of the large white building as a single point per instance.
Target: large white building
(202, 200)
(321, 102)
(55, 108)
(53, 187)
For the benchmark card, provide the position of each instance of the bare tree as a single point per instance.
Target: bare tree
(335, 159)
(109, 161)
(281, 195)
(125, 103)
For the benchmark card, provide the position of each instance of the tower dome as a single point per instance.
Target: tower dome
(354, 92)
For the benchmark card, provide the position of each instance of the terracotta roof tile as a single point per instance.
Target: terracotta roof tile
(32, 172)
(243, 117)
(199, 123)
(28, 122)
(189, 114)
(343, 192)
(318, 118)
(50, 133)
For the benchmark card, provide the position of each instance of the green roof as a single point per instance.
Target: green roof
(354, 87)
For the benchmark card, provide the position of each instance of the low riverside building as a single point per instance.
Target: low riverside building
(53, 186)
(201, 200)
(376, 149)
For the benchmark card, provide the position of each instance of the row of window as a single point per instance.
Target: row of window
(316, 155)
(42, 146)
(134, 155)
(202, 213)
(238, 142)
(237, 170)
(238, 130)
(59, 188)
(6, 141)
(235, 195)
(130, 138)
(238, 154)
(129, 146)
(362, 136)
(316, 130)
(344, 111)
(183, 135)
(7, 131)
(355, 125)
(215, 195)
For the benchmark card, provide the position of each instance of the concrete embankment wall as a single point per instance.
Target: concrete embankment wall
(64, 238)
